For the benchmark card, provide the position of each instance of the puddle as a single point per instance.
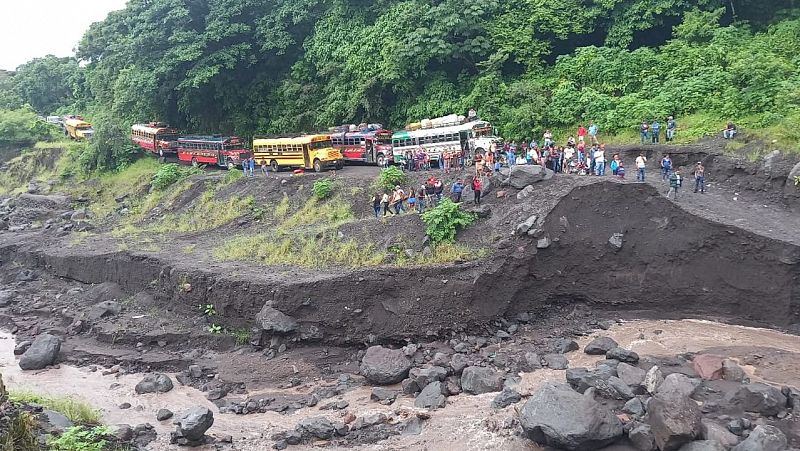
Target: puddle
(462, 425)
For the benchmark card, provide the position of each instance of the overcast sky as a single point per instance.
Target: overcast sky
(33, 28)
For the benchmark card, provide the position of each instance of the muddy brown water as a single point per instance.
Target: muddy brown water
(466, 422)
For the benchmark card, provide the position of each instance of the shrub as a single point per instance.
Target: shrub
(80, 438)
(170, 174)
(322, 189)
(391, 177)
(443, 221)
(76, 411)
(797, 180)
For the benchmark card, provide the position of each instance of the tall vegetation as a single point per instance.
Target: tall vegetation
(276, 66)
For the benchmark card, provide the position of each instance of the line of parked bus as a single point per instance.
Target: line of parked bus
(369, 143)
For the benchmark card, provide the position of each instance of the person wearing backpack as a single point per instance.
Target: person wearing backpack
(675, 182)
(666, 167)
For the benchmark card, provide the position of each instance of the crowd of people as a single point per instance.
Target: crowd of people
(428, 195)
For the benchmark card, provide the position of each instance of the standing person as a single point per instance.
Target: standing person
(700, 178)
(510, 157)
(666, 167)
(591, 163)
(593, 132)
(438, 189)
(376, 203)
(644, 130)
(675, 183)
(422, 195)
(600, 161)
(412, 200)
(456, 190)
(655, 131)
(614, 165)
(621, 170)
(245, 166)
(548, 138)
(476, 187)
(430, 191)
(672, 127)
(582, 133)
(641, 164)
(385, 204)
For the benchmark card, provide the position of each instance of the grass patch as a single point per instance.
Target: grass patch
(134, 179)
(282, 209)
(299, 250)
(21, 434)
(80, 438)
(242, 336)
(77, 411)
(331, 213)
(206, 213)
(189, 249)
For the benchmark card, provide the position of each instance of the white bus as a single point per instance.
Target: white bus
(471, 137)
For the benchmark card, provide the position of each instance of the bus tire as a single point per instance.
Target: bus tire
(194, 162)
(339, 165)
(317, 165)
(381, 160)
(273, 165)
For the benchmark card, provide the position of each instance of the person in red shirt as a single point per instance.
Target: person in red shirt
(582, 132)
(476, 187)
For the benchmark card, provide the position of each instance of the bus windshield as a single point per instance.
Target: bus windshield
(232, 147)
(170, 137)
(321, 144)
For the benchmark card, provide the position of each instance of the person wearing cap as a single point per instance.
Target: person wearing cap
(675, 182)
(456, 190)
(672, 127)
(700, 178)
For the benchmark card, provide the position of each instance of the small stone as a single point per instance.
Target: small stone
(125, 405)
(556, 361)
(600, 346)
(163, 414)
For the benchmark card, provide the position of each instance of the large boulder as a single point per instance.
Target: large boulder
(42, 352)
(674, 419)
(600, 346)
(478, 380)
(521, 176)
(106, 291)
(560, 417)
(678, 383)
(193, 425)
(641, 435)
(708, 367)
(272, 320)
(763, 438)
(632, 376)
(623, 355)
(709, 430)
(431, 396)
(319, 427)
(384, 366)
(759, 398)
(154, 383)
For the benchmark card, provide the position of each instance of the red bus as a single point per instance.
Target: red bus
(223, 151)
(370, 144)
(155, 137)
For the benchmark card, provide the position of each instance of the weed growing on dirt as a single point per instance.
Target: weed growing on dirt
(389, 178)
(443, 221)
(80, 438)
(282, 209)
(189, 249)
(76, 411)
(170, 174)
(242, 336)
(207, 309)
(308, 251)
(797, 180)
(322, 189)
(215, 329)
(205, 214)
(232, 176)
(331, 213)
(21, 434)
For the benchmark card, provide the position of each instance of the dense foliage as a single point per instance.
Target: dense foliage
(170, 174)
(445, 220)
(22, 127)
(276, 66)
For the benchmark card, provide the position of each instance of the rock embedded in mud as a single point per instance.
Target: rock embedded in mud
(565, 345)
(632, 376)
(616, 241)
(505, 398)
(759, 398)
(731, 371)
(56, 422)
(431, 397)
(192, 426)
(531, 362)
(154, 383)
(674, 419)
(556, 361)
(105, 309)
(42, 352)
(122, 432)
(164, 414)
(623, 355)
(600, 346)
(477, 380)
(523, 227)
(558, 416)
(383, 395)
(458, 362)
(763, 438)
(384, 366)
(272, 320)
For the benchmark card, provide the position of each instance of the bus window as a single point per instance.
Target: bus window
(320, 144)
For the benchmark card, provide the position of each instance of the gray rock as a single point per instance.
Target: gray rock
(543, 243)
(458, 362)
(556, 361)
(792, 397)
(431, 397)
(384, 366)
(616, 241)
(440, 359)
(642, 437)
(26, 275)
(632, 376)
(674, 420)
(581, 379)
(523, 227)
(763, 438)
(57, 422)
(759, 398)
(678, 383)
(600, 346)
(195, 371)
(558, 416)
(105, 309)
(424, 376)
(154, 383)
(122, 432)
(505, 398)
(21, 347)
(521, 176)
(194, 423)
(478, 380)
(383, 395)
(623, 355)
(526, 192)
(319, 427)
(531, 362)
(709, 430)
(272, 320)
(163, 414)
(42, 352)
(635, 407)
(703, 445)
(732, 372)
(564, 345)
(653, 379)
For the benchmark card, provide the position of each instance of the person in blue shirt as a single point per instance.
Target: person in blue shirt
(593, 132)
(456, 190)
(672, 127)
(666, 167)
(655, 131)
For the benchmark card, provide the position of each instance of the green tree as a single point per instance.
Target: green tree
(48, 83)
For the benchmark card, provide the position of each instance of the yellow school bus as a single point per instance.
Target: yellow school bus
(76, 128)
(308, 152)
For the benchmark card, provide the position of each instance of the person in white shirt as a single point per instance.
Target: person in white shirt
(600, 161)
(641, 164)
